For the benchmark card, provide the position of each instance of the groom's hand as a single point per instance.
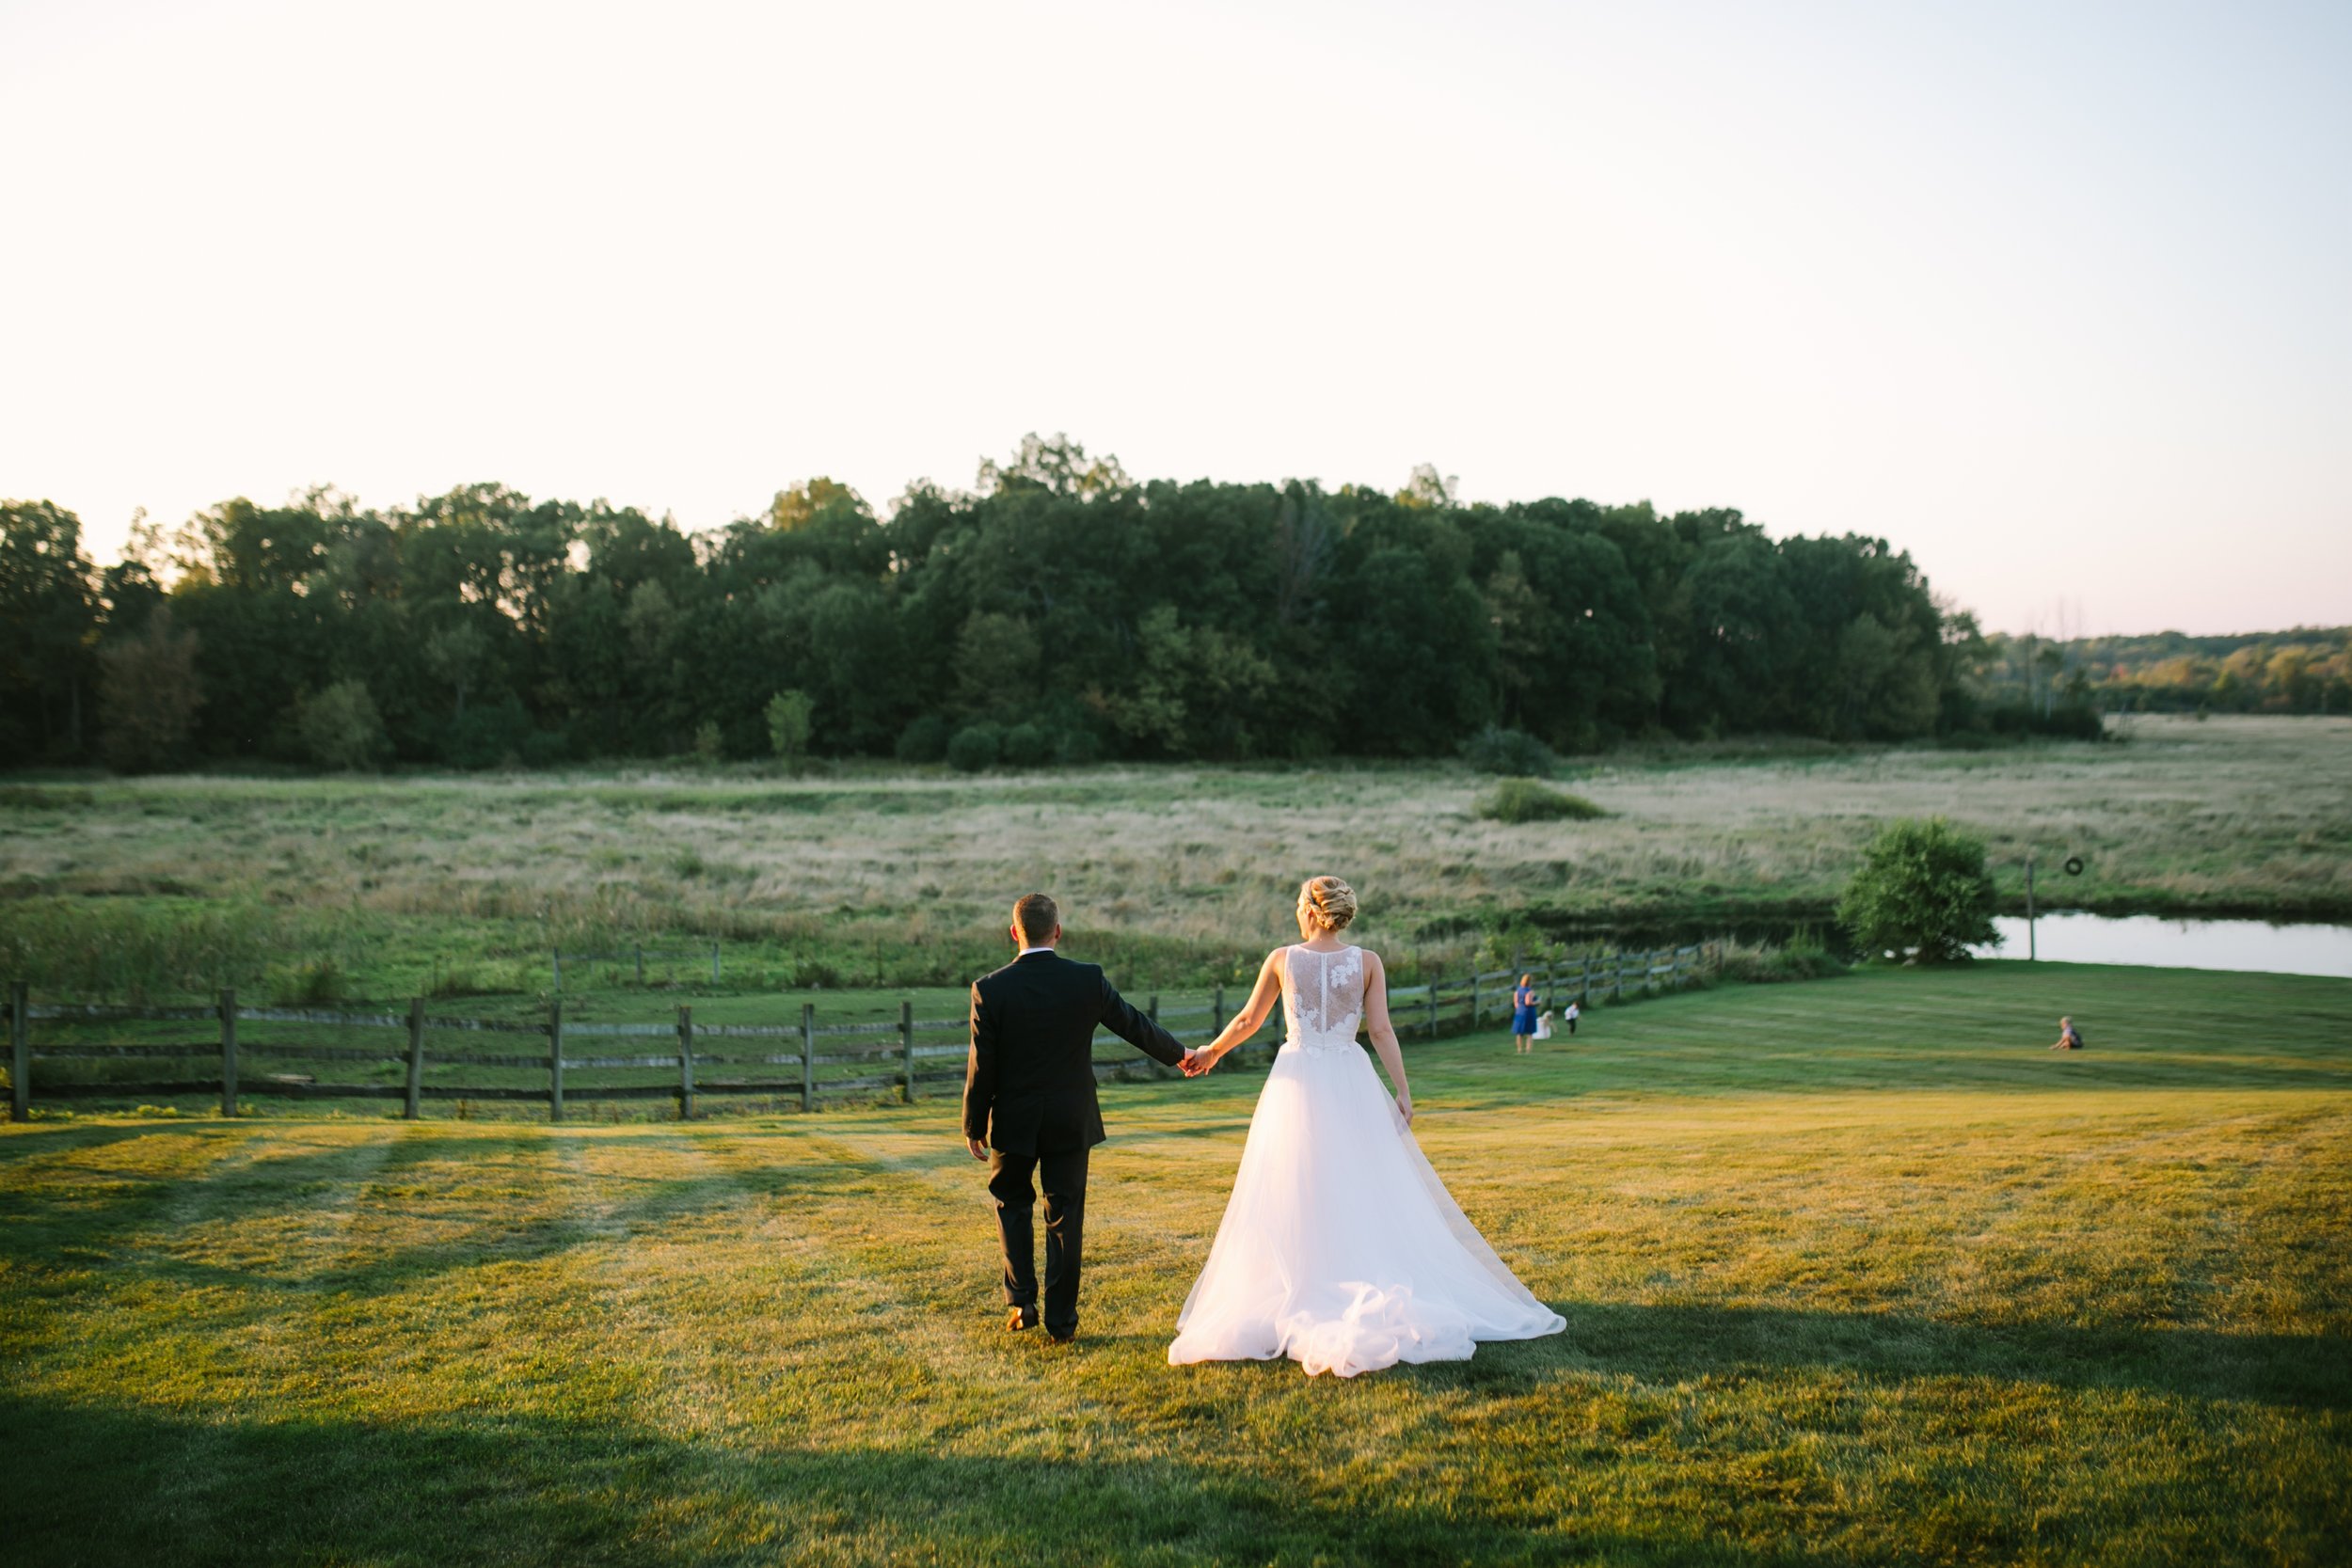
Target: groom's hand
(1196, 1061)
(980, 1149)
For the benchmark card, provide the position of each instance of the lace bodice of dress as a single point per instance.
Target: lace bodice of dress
(1323, 997)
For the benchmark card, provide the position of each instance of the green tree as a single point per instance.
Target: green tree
(789, 714)
(342, 729)
(997, 659)
(1922, 891)
(148, 692)
(49, 609)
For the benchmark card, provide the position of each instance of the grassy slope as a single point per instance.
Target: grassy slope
(1854, 1271)
(891, 877)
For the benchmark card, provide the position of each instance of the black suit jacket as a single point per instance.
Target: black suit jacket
(1028, 1084)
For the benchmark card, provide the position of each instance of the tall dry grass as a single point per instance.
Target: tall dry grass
(1193, 865)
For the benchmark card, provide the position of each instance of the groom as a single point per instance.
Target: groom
(1029, 1106)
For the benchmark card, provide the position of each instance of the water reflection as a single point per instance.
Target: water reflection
(2160, 943)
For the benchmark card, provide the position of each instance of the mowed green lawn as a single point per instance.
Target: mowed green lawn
(1854, 1273)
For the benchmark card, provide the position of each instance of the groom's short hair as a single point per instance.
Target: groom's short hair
(1035, 913)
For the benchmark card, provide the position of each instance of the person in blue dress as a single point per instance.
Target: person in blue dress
(1523, 1014)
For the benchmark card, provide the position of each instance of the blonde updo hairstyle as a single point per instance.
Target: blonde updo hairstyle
(1328, 901)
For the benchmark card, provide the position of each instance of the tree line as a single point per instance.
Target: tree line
(2307, 669)
(1057, 612)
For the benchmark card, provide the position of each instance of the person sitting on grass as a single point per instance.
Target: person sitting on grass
(2069, 1038)
(1523, 1016)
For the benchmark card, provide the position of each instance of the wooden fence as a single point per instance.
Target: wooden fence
(417, 1056)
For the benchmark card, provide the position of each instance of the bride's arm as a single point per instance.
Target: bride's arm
(1383, 1032)
(1244, 1024)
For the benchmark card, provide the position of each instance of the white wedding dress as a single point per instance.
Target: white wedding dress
(1339, 1247)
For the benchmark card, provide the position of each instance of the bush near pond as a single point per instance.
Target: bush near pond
(1922, 892)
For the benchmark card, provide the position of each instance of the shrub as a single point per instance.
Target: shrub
(340, 728)
(1525, 801)
(790, 716)
(1922, 890)
(318, 983)
(1802, 956)
(710, 746)
(976, 747)
(490, 735)
(925, 740)
(1495, 749)
(1076, 747)
(1028, 746)
(2068, 721)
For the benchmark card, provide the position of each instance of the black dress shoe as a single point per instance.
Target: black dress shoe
(1020, 1317)
(1062, 1336)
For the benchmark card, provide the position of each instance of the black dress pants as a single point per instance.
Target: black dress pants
(1063, 1175)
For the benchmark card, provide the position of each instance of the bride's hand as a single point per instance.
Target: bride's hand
(1405, 1107)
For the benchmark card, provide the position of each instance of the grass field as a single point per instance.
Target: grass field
(1854, 1273)
(872, 877)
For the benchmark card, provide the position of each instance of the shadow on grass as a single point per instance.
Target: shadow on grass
(113, 1483)
(1663, 1346)
(103, 1223)
(1677, 1343)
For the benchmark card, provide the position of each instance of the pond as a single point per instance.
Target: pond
(2163, 942)
(2065, 936)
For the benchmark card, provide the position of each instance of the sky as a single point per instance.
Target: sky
(2056, 296)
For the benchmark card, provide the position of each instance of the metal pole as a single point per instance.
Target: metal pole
(686, 1064)
(229, 1051)
(2031, 952)
(20, 1052)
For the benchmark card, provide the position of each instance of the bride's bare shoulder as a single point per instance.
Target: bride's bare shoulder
(1371, 959)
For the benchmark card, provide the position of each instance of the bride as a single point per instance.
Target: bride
(1339, 1247)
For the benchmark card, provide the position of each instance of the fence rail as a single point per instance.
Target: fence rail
(246, 1059)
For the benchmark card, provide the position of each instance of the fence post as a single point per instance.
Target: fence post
(1217, 1011)
(555, 956)
(808, 1056)
(1433, 1008)
(714, 963)
(555, 1058)
(686, 1064)
(1474, 996)
(639, 948)
(415, 1057)
(20, 1052)
(229, 1051)
(906, 1050)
